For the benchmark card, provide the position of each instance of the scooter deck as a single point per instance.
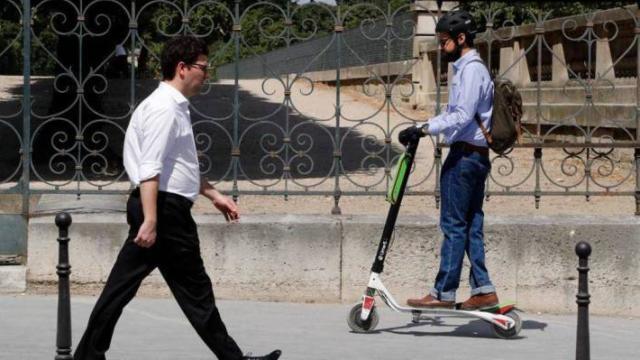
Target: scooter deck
(501, 308)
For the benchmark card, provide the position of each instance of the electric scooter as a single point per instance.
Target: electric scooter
(363, 317)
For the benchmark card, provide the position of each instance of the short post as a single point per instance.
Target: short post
(583, 250)
(63, 334)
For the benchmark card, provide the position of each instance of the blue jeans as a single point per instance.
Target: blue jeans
(461, 219)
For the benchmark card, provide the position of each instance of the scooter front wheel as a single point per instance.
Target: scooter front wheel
(355, 322)
(514, 331)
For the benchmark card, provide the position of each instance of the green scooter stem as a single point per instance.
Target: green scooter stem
(394, 209)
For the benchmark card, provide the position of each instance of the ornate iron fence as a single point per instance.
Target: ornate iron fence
(285, 134)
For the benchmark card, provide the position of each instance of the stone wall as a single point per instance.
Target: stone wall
(328, 259)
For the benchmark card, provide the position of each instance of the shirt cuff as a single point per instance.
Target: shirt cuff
(149, 169)
(435, 125)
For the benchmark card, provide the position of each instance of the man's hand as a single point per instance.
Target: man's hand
(227, 207)
(412, 133)
(146, 234)
(149, 196)
(225, 204)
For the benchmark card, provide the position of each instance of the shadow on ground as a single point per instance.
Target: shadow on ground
(78, 140)
(475, 329)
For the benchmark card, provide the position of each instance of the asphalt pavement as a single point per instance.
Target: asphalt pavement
(156, 329)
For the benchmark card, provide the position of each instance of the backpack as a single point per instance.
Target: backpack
(506, 116)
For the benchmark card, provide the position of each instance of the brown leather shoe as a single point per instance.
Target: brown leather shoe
(480, 301)
(430, 302)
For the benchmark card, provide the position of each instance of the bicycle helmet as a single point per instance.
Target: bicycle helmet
(457, 22)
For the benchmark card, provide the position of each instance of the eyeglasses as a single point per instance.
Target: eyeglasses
(204, 68)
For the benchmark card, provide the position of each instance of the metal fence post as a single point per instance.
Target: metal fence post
(583, 250)
(637, 150)
(63, 333)
(26, 110)
(235, 151)
(337, 152)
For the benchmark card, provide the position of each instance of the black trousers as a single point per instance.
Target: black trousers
(177, 254)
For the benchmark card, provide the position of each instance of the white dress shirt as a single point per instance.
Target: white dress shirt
(159, 141)
(471, 93)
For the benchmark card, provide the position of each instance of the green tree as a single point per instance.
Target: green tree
(520, 12)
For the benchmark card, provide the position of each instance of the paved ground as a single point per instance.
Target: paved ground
(155, 329)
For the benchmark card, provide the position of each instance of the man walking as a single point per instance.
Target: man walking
(161, 160)
(465, 170)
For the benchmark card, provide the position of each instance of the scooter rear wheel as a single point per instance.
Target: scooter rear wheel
(513, 332)
(355, 322)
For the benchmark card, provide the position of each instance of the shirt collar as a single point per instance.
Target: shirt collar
(175, 94)
(458, 64)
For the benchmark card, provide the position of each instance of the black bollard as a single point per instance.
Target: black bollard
(63, 336)
(583, 250)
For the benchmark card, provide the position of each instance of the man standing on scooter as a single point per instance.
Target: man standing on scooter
(465, 169)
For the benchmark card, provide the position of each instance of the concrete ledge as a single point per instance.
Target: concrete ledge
(328, 259)
(13, 279)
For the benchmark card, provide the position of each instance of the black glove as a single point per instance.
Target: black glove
(412, 133)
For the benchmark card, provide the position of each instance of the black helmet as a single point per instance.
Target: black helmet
(457, 22)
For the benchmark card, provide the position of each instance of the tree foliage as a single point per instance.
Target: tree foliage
(263, 25)
(509, 13)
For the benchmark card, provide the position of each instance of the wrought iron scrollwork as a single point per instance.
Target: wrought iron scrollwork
(258, 134)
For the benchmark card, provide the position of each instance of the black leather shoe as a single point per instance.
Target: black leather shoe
(274, 355)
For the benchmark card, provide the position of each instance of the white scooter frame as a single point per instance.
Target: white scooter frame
(363, 317)
(502, 321)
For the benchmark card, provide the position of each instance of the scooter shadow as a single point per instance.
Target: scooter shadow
(474, 329)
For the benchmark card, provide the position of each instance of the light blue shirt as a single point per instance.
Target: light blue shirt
(471, 92)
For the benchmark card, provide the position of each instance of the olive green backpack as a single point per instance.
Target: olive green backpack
(506, 116)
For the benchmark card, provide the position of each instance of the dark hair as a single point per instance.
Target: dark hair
(458, 22)
(181, 48)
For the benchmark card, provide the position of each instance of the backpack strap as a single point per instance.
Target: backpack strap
(484, 130)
